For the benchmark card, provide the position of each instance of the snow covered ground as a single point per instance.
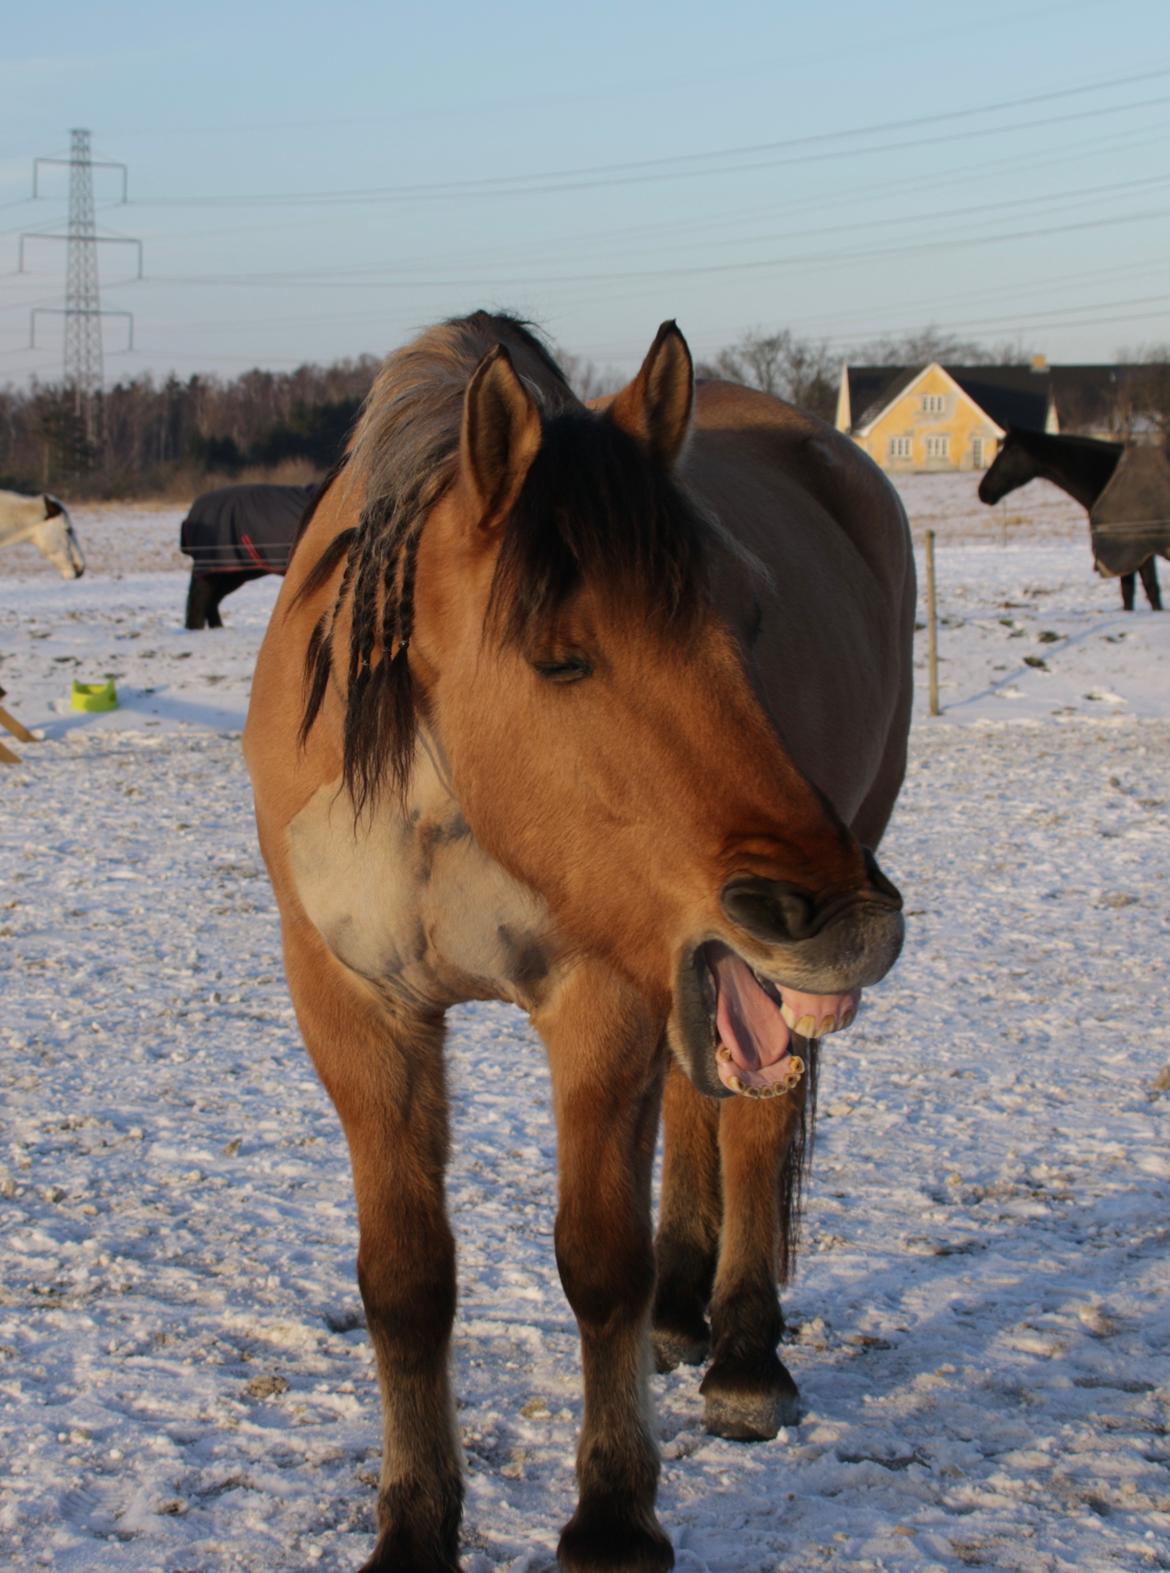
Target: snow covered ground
(980, 1322)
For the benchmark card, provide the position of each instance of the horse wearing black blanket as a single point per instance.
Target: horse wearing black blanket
(235, 534)
(1126, 490)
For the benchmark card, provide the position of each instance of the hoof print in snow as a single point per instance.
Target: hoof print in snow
(261, 1387)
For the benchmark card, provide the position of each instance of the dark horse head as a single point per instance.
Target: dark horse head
(1078, 465)
(1014, 466)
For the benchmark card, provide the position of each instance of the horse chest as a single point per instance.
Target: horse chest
(409, 900)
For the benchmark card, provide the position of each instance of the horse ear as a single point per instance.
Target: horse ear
(500, 436)
(52, 507)
(656, 407)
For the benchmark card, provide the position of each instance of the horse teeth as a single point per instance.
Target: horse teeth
(847, 1018)
(723, 1054)
(789, 1016)
(806, 1027)
(828, 1024)
(734, 1082)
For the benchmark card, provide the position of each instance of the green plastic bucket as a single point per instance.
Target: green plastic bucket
(95, 696)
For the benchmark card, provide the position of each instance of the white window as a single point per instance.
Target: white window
(899, 447)
(977, 453)
(938, 447)
(934, 404)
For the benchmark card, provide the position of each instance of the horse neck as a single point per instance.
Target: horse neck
(1077, 469)
(16, 523)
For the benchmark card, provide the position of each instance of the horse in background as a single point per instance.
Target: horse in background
(235, 534)
(600, 712)
(45, 521)
(1085, 467)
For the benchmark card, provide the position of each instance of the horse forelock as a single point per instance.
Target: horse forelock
(407, 436)
(595, 509)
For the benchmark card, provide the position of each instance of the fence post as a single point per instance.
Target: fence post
(931, 625)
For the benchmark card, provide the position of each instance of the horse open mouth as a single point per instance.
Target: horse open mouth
(747, 1023)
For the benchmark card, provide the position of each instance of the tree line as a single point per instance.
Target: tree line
(176, 437)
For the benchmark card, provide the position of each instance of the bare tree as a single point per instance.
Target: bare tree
(168, 433)
(920, 346)
(1143, 395)
(803, 371)
(587, 379)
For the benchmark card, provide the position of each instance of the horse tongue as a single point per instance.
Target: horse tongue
(748, 1021)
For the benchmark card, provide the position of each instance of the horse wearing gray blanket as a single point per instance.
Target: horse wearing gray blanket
(1125, 490)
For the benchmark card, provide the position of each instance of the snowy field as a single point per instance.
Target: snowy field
(980, 1322)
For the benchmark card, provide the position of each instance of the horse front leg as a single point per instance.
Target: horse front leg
(384, 1071)
(748, 1392)
(689, 1221)
(200, 600)
(606, 1058)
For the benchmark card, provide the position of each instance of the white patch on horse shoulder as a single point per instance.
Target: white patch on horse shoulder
(410, 900)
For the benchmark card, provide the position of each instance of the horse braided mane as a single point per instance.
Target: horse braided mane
(637, 531)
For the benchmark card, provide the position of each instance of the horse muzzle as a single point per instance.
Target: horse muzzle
(786, 967)
(821, 946)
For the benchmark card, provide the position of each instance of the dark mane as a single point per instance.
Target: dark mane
(593, 507)
(1053, 442)
(306, 518)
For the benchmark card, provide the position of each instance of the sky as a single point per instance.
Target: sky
(316, 182)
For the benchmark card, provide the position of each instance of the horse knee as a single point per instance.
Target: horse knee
(410, 1296)
(607, 1271)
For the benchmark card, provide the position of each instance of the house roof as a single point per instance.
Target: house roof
(1086, 395)
(1085, 398)
(903, 387)
(1008, 395)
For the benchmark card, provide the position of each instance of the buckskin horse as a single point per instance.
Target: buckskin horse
(603, 711)
(1125, 490)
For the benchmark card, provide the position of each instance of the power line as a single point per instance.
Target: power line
(704, 222)
(1050, 203)
(314, 278)
(1069, 312)
(678, 166)
(891, 40)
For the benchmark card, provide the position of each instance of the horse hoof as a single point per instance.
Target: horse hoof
(744, 1408)
(389, 1558)
(673, 1347)
(594, 1543)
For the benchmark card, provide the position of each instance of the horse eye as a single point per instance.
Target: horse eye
(570, 670)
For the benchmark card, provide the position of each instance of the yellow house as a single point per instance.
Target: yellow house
(923, 420)
(940, 417)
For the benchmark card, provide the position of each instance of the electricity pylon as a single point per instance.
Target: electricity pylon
(83, 303)
(83, 308)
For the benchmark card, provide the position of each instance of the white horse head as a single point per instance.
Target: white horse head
(45, 522)
(55, 540)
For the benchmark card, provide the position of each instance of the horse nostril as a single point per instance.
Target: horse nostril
(770, 911)
(888, 892)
